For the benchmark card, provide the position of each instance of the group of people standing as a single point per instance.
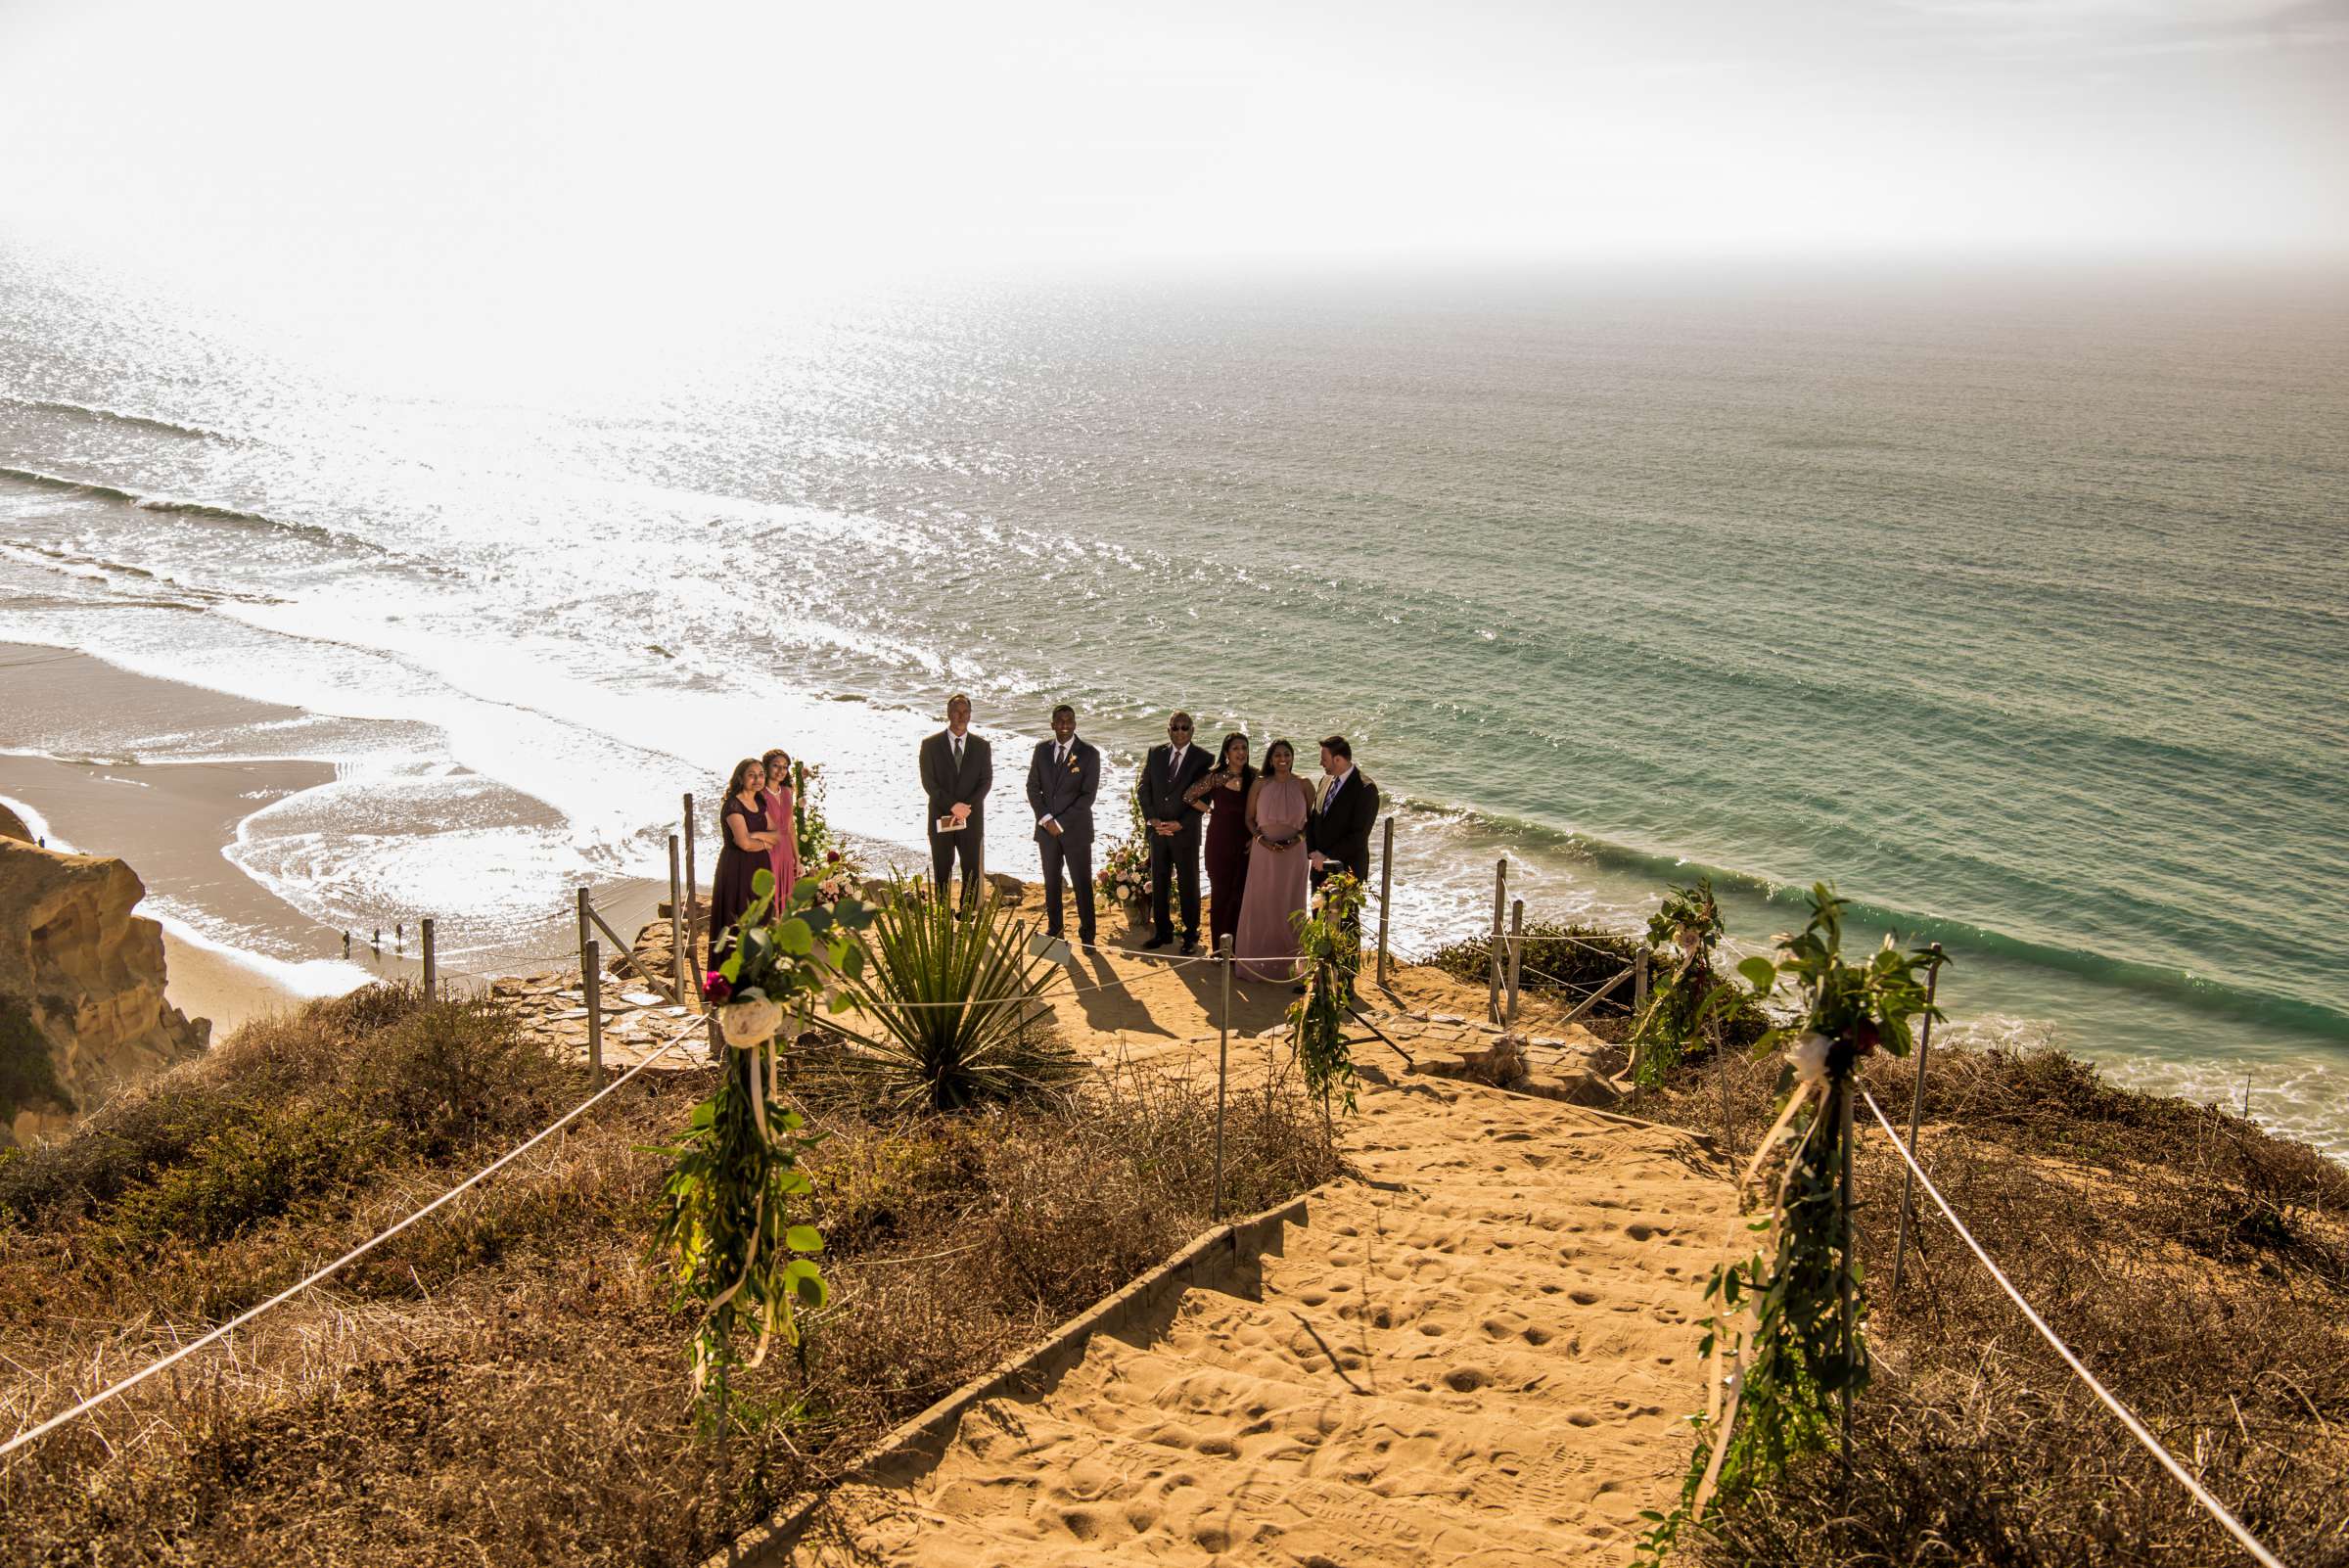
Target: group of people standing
(756, 831)
(1269, 836)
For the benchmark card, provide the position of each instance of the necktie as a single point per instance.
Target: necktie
(1060, 756)
(959, 751)
(1329, 792)
(1173, 760)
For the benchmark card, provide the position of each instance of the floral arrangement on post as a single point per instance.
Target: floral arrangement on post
(722, 1228)
(1789, 1332)
(819, 845)
(1330, 940)
(1123, 875)
(1688, 927)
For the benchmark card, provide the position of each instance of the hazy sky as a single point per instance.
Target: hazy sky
(794, 136)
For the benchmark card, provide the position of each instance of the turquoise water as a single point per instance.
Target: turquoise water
(2013, 604)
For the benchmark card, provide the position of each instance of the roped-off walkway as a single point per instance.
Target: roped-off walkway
(1476, 1351)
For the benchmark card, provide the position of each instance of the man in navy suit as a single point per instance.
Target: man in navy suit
(1061, 777)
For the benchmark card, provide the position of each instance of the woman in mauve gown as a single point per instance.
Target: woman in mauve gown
(744, 840)
(782, 820)
(1278, 804)
(1224, 795)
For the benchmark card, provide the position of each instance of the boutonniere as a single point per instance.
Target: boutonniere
(1074, 767)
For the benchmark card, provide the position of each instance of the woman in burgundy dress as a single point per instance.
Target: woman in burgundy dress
(1224, 794)
(746, 841)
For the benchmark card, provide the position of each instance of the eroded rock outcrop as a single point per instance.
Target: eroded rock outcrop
(81, 988)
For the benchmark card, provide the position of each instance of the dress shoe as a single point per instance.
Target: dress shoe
(1191, 946)
(1156, 942)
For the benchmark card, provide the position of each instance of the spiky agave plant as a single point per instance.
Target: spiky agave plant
(947, 1005)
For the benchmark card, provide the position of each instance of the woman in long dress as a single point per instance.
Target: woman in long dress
(1224, 795)
(744, 840)
(1278, 804)
(782, 820)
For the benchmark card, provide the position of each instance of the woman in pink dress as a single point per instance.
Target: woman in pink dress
(781, 800)
(1278, 804)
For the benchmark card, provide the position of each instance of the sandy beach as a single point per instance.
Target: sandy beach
(236, 949)
(170, 822)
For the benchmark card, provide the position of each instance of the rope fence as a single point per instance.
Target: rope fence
(2137, 1428)
(33, 1435)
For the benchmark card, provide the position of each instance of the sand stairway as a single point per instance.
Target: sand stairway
(1476, 1351)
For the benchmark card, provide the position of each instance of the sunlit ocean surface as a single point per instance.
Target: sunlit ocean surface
(2014, 605)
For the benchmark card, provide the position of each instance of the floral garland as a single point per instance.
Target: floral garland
(1330, 940)
(1789, 1332)
(1690, 927)
(1123, 875)
(722, 1225)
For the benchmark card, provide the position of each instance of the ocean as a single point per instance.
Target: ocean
(2010, 602)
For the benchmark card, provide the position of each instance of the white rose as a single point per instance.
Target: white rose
(1809, 1055)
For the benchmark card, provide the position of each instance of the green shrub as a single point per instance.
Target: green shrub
(27, 1077)
(255, 1167)
(449, 1073)
(1568, 961)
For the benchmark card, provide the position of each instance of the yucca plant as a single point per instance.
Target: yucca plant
(947, 1002)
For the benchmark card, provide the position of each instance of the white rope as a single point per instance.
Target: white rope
(22, 1438)
(2218, 1510)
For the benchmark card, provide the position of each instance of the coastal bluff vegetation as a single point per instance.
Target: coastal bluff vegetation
(1478, 1346)
(82, 1010)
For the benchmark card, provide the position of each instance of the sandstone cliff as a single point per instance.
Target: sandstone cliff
(81, 988)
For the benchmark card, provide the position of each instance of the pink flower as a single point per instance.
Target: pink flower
(714, 987)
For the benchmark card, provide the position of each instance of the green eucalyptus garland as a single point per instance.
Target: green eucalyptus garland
(1674, 1028)
(1787, 1342)
(723, 1228)
(1330, 940)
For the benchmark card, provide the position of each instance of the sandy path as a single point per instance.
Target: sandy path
(1475, 1351)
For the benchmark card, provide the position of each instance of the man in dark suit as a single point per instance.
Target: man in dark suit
(1339, 833)
(958, 769)
(1168, 774)
(1061, 777)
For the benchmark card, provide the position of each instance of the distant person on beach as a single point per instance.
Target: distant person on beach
(745, 840)
(1172, 821)
(1279, 807)
(1061, 777)
(958, 769)
(1223, 793)
(782, 820)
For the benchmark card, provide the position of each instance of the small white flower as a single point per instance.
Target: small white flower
(1809, 1055)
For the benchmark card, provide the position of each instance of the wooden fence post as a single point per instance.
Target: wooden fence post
(1916, 1117)
(1501, 895)
(677, 955)
(1222, 1073)
(693, 899)
(1386, 895)
(592, 988)
(1516, 953)
(431, 965)
(1639, 984)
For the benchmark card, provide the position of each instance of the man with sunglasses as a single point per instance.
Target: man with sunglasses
(1168, 774)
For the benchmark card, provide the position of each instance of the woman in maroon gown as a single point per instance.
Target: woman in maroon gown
(1224, 795)
(746, 841)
